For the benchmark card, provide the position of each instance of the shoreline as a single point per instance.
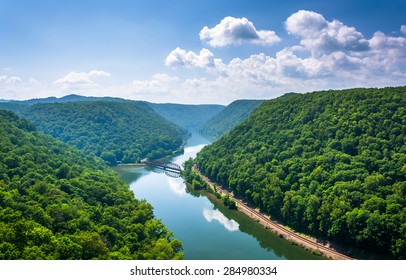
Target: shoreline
(282, 231)
(131, 165)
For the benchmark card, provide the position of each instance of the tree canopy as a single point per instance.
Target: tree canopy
(115, 131)
(57, 203)
(228, 118)
(331, 164)
(186, 116)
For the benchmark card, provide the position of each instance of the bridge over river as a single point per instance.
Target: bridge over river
(169, 166)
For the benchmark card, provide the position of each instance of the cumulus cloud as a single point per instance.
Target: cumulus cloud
(85, 83)
(387, 56)
(159, 83)
(321, 36)
(15, 87)
(190, 59)
(305, 23)
(10, 80)
(80, 77)
(329, 54)
(381, 41)
(235, 31)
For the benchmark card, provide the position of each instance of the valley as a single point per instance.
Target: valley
(329, 164)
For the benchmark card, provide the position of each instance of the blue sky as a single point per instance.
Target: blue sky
(198, 51)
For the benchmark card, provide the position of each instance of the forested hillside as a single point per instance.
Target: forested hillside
(186, 116)
(228, 118)
(116, 131)
(64, 99)
(55, 203)
(14, 106)
(331, 164)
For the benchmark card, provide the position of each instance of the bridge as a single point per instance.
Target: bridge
(169, 166)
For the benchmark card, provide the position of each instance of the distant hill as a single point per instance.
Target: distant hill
(331, 164)
(228, 118)
(57, 203)
(187, 116)
(67, 98)
(16, 107)
(116, 131)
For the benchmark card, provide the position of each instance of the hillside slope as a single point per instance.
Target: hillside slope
(55, 203)
(331, 164)
(186, 116)
(228, 118)
(116, 131)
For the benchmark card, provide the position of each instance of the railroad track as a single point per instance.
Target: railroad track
(297, 238)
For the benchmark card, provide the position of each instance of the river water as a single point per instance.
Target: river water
(207, 229)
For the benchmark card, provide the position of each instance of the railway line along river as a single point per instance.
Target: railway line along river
(206, 228)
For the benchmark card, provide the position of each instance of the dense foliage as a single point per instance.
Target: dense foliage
(16, 107)
(198, 183)
(228, 118)
(192, 177)
(331, 164)
(115, 131)
(186, 116)
(55, 203)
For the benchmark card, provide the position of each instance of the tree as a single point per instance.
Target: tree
(110, 157)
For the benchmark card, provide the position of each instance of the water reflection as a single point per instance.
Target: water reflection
(198, 217)
(216, 215)
(166, 172)
(194, 150)
(177, 187)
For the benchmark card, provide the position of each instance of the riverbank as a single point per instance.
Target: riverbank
(282, 231)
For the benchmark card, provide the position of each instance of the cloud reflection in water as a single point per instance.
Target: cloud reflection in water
(177, 186)
(194, 149)
(216, 215)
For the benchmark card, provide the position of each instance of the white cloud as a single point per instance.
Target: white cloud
(190, 59)
(158, 83)
(305, 23)
(10, 80)
(235, 31)
(80, 83)
(382, 41)
(387, 58)
(80, 77)
(329, 55)
(14, 87)
(290, 65)
(320, 36)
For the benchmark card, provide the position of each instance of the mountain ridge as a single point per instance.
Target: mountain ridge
(330, 164)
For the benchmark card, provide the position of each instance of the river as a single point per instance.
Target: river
(207, 229)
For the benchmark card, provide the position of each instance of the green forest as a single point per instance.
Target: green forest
(228, 118)
(57, 203)
(189, 117)
(330, 164)
(118, 132)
